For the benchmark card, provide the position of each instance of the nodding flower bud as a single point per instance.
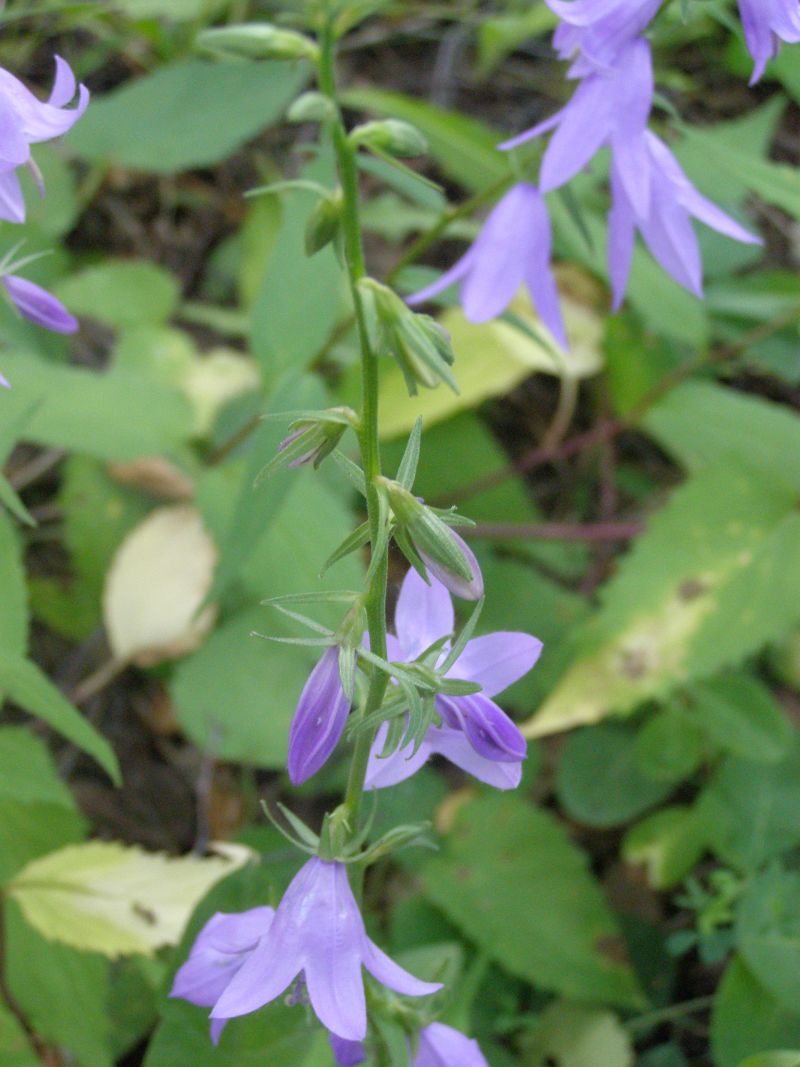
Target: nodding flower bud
(323, 222)
(319, 718)
(393, 136)
(311, 439)
(259, 40)
(311, 107)
(444, 553)
(419, 345)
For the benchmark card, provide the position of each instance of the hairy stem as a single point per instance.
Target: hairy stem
(375, 601)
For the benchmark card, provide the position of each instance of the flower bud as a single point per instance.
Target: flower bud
(323, 222)
(311, 107)
(392, 136)
(319, 718)
(444, 553)
(259, 40)
(311, 439)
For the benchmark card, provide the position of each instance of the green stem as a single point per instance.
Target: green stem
(375, 599)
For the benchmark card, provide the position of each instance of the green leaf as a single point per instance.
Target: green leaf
(33, 828)
(753, 809)
(114, 415)
(121, 293)
(117, 899)
(173, 10)
(702, 424)
(772, 1059)
(667, 844)
(573, 1035)
(25, 684)
(740, 714)
(27, 773)
(598, 778)
(14, 613)
(63, 993)
(706, 585)
(509, 877)
(768, 932)
(464, 148)
(15, 1048)
(747, 1019)
(669, 746)
(188, 114)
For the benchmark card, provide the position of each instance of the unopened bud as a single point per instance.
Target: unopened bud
(311, 107)
(323, 222)
(259, 40)
(392, 136)
(444, 553)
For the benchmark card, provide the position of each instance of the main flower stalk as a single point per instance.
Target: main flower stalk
(375, 599)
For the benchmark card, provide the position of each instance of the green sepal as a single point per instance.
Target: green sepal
(392, 137)
(407, 471)
(357, 539)
(464, 635)
(302, 837)
(323, 223)
(352, 470)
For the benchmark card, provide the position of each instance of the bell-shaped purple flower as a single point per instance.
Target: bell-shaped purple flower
(318, 932)
(37, 305)
(219, 951)
(24, 121)
(609, 108)
(666, 224)
(346, 1053)
(442, 1046)
(475, 734)
(513, 247)
(766, 23)
(319, 719)
(594, 32)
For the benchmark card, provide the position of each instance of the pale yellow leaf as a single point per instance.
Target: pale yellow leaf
(212, 380)
(492, 359)
(117, 899)
(575, 1035)
(158, 579)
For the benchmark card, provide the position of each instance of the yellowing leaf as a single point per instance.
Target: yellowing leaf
(492, 359)
(211, 381)
(117, 899)
(575, 1035)
(158, 579)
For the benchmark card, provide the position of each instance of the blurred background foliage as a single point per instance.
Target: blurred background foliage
(637, 901)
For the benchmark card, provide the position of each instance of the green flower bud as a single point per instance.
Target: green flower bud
(311, 107)
(392, 136)
(323, 222)
(259, 40)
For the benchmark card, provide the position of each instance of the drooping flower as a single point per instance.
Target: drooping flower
(513, 247)
(318, 932)
(766, 23)
(609, 108)
(475, 733)
(37, 305)
(442, 1046)
(219, 951)
(24, 121)
(594, 32)
(319, 719)
(666, 225)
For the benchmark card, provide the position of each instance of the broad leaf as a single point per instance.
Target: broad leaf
(573, 1035)
(747, 1019)
(768, 932)
(121, 292)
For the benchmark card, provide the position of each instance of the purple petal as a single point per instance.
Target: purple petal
(454, 746)
(216, 1028)
(424, 614)
(458, 271)
(495, 661)
(346, 1053)
(401, 764)
(39, 306)
(621, 238)
(319, 719)
(487, 727)
(534, 131)
(12, 202)
(218, 952)
(64, 85)
(391, 974)
(335, 985)
(538, 273)
(442, 1046)
(585, 126)
(498, 268)
(38, 121)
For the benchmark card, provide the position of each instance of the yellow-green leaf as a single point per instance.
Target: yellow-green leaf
(117, 899)
(575, 1035)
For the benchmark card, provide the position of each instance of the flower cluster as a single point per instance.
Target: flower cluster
(611, 61)
(25, 120)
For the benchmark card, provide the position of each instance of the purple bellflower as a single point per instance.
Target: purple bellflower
(346, 1053)
(766, 23)
(666, 225)
(317, 931)
(37, 305)
(219, 951)
(475, 733)
(319, 719)
(24, 121)
(595, 31)
(609, 107)
(442, 1046)
(513, 247)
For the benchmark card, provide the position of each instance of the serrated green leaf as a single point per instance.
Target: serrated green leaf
(117, 899)
(511, 880)
(703, 587)
(205, 111)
